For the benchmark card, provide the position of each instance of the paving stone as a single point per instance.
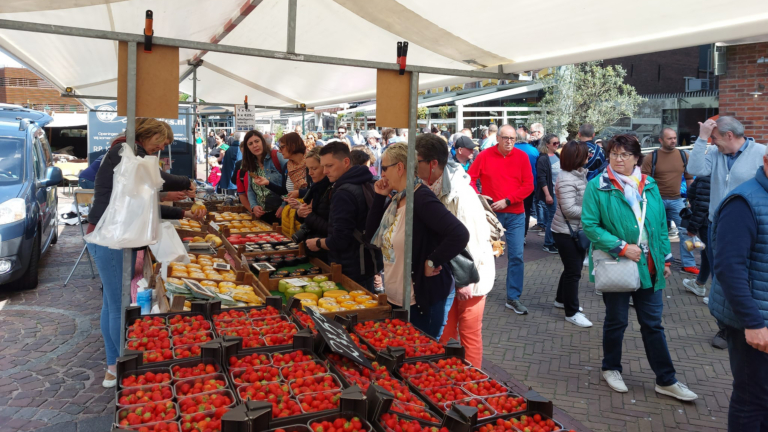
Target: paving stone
(71, 426)
(96, 424)
(27, 413)
(73, 409)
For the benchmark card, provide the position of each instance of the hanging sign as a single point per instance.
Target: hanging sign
(245, 118)
(337, 338)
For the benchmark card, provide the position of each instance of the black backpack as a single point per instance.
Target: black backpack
(655, 155)
(368, 194)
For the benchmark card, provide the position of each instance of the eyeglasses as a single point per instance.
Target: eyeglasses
(506, 138)
(422, 160)
(384, 168)
(621, 156)
(281, 146)
(557, 143)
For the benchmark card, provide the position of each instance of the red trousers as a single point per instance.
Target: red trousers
(465, 323)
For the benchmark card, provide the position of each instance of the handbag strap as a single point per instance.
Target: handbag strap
(642, 218)
(566, 218)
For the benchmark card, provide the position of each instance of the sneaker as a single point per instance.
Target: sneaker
(677, 390)
(542, 233)
(586, 262)
(632, 302)
(719, 340)
(615, 381)
(690, 270)
(109, 380)
(579, 320)
(559, 305)
(551, 249)
(693, 286)
(518, 307)
(705, 300)
(536, 228)
(598, 292)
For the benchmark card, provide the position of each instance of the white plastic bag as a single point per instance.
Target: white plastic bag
(132, 218)
(169, 247)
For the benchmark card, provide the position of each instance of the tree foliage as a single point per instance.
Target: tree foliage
(586, 93)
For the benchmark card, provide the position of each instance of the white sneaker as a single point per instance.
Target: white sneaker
(579, 320)
(705, 300)
(586, 262)
(692, 286)
(109, 380)
(542, 233)
(615, 381)
(677, 390)
(632, 302)
(562, 306)
(598, 292)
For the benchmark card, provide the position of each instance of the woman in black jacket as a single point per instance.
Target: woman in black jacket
(151, 137)
(547, 169)
(437, 238)
(697, 224)
(313, 212)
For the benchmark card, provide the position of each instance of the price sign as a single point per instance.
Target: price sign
(337, 338)
(245, 118)
(214, 225)
(296, 282)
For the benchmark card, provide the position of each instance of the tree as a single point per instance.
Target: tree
(586, 93)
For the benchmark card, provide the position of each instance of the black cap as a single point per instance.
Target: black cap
(466, 142)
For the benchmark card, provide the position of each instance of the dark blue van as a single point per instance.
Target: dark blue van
(28, 200)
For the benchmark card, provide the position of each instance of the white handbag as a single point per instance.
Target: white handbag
(619, 274)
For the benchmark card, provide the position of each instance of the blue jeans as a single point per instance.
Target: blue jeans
(109, 262)
(549, 214)
(704, 269)
(538, 210)
(432, 321)
(85, 183)
(649, 306)
(514, 224)
(673, 208)
(749, 402)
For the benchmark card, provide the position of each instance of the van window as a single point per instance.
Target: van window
(11, 160)
(39, 160)
(45, 146)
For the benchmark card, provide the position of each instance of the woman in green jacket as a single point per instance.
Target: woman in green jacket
(611, 213)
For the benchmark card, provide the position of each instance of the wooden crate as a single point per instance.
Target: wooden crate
(232, 209)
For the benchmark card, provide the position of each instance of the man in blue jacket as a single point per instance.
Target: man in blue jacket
(739, 296)
(530, 204)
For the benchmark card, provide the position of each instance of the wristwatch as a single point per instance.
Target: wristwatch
(317, 244)
(430, 263)
(509, 203)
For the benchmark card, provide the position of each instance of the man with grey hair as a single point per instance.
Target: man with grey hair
(268, 140)
(537, 131)
(491, 140)
(402, 133)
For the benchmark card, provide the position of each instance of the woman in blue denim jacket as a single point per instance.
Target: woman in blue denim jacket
(260, 161)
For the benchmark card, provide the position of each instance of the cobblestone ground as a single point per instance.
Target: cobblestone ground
(562, 361)
(52, 358)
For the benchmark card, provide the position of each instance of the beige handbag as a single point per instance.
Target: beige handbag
(619, 274)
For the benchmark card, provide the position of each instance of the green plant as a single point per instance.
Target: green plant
(279, 131)
(423, 112)
(585, 93)
(443, 110)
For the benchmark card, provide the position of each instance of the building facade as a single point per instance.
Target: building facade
(20, 86)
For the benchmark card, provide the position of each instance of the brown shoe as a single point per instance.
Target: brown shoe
(109, 380)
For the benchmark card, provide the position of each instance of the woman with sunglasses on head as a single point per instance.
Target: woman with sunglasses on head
(547, 170)
(614, 205)
(437, 238)
(261, 161)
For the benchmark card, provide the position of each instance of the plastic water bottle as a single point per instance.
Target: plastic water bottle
(144, 299)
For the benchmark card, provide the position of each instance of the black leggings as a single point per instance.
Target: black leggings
(573, 262)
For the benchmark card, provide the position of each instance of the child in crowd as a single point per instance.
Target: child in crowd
(215, 176)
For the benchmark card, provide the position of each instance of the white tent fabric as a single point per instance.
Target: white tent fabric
(457, 34)
(68, 120)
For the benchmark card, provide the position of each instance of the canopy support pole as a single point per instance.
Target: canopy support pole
(413, 107)
(291, 27)
(130, 139)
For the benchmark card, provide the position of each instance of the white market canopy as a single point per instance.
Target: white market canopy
(453, 34)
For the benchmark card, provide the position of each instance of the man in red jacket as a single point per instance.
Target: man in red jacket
(505, 175)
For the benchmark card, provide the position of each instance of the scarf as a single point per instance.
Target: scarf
(261, 191)
(298, 174)
(437, 186)
(630, 185)
(387, 223)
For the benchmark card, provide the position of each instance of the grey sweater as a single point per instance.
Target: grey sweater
(570, 189)
(708, 161)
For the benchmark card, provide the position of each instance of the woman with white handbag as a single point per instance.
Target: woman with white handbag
(624, 218)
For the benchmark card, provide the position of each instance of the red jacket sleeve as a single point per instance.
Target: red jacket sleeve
(526, 187)
(240, 184)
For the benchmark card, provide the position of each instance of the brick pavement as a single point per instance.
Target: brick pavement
(562, 361)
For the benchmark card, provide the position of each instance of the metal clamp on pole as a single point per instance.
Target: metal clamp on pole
(148, 32)
(402, 54)
(245, 102)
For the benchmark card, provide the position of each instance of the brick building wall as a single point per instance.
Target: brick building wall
(660, 72)
(742, 77)
(21, 86)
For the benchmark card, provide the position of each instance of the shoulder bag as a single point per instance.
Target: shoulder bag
(619, 274)
(464, 269)
(579, 237)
